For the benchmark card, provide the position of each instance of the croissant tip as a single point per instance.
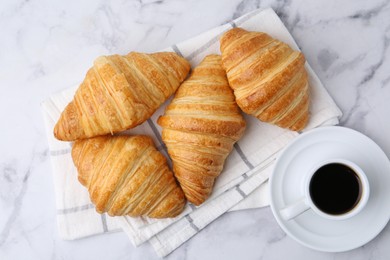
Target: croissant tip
(58, 135)
(56, 132)
(196, 203)
(98, 210)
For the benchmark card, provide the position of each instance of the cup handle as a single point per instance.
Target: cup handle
(295, 209)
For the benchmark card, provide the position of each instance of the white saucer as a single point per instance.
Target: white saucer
(286, 187)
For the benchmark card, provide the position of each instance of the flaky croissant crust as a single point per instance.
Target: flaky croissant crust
(200, 126)
(268, 78)
(126, 175)
(119, 93)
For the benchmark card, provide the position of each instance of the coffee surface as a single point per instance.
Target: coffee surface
(335, 188)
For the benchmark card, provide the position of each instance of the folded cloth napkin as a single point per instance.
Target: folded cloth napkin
(241, 185)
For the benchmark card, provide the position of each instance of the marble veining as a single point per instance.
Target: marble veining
(367, 77)
(47, 46)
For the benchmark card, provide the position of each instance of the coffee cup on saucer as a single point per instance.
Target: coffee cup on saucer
(335, 189)
(331, 212)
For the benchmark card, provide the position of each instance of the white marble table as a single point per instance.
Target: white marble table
(46, 46)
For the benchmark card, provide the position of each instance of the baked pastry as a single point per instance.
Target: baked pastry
(200, 127)
(126, 175)
(268, 78)
(119, 93)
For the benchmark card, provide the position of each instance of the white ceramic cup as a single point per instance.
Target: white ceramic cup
(305, 203)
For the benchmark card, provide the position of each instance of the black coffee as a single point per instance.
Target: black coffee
(335, 188)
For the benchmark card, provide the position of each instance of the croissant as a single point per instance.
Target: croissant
(200, 127)
(126, 175)
(119, 93)
(268, 78)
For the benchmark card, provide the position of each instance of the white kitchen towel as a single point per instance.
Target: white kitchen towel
(246, 169)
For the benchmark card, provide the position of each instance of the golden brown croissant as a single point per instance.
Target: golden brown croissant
(120, 92)
(126, 175)
(200, 127)
(268, 78)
